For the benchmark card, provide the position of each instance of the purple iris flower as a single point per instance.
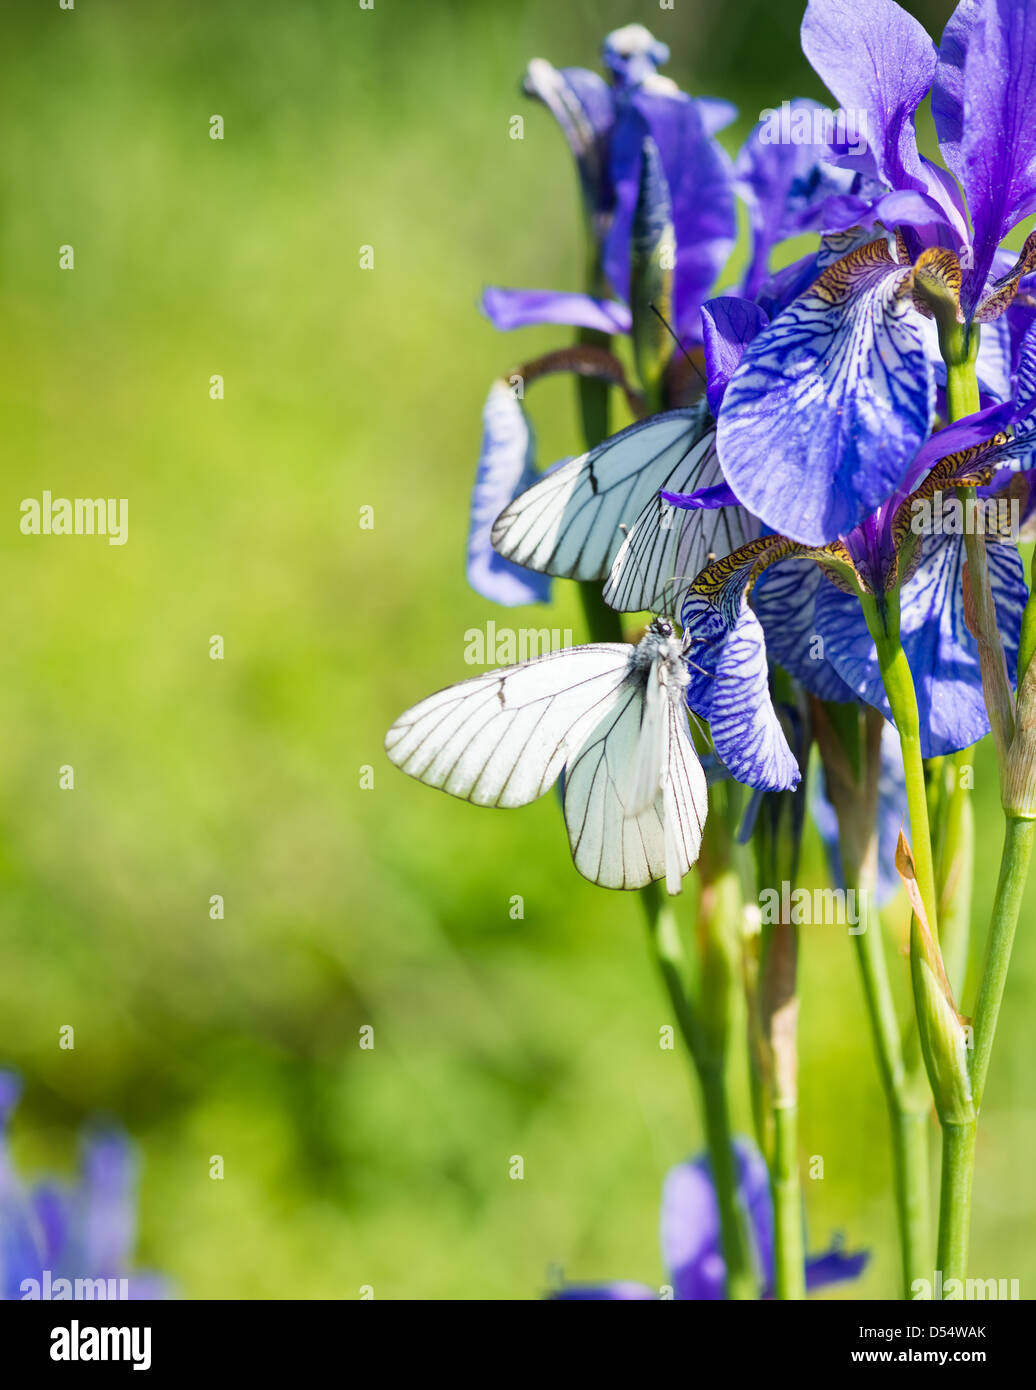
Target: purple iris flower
(606, 125)
(57, 1231)
(805, 614)
(838, 394)
(690, 1237)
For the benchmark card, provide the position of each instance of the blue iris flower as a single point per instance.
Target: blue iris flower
(606, 125)
(838, 394)
(690, 1238)
(805, 613)
(84, 1230)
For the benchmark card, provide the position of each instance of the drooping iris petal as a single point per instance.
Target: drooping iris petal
(728, 325)
(700, 181)
(879, 60)
(983, 110)
(690, 1232)
(583, 105)
(507, 309)
(730, 688)
(941, 652)
(505, 468)
(830, 403)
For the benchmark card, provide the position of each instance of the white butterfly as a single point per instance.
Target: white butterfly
(599, 516)
(612, 716)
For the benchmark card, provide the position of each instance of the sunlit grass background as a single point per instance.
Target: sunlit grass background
(344, 907)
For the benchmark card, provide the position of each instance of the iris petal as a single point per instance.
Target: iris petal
(940, 650)
(730, 687)
(507, 309)
(982, 106)
(831, 403)
(505, 468)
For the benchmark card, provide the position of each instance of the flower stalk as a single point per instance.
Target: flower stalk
(850, 748)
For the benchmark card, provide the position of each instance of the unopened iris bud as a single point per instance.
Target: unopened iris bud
(653, 252)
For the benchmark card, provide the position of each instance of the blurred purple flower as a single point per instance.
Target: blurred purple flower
(69, 1231)
(691, 1237)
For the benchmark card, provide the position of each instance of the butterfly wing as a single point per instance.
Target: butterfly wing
(612, 843)
(569, 523)
(666, 542)
(502, 738)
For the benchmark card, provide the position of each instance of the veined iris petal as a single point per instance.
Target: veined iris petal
(982, 106)
(730, 688)
(831, 402)
(941, 652)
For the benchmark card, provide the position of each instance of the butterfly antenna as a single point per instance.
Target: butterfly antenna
(672, 333)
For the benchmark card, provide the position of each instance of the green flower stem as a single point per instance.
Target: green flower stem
(1014, 868)
(958, 1165)
(883, 625)
(850, 748)
(959, 351)
(909, 1105)
(710, 1069)
(956, 869)
(789, 1251)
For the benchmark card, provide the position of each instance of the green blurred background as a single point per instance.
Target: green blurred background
(344, 907)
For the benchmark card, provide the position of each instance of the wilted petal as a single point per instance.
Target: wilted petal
(830, 403)
(507, 309)
(505, 468)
